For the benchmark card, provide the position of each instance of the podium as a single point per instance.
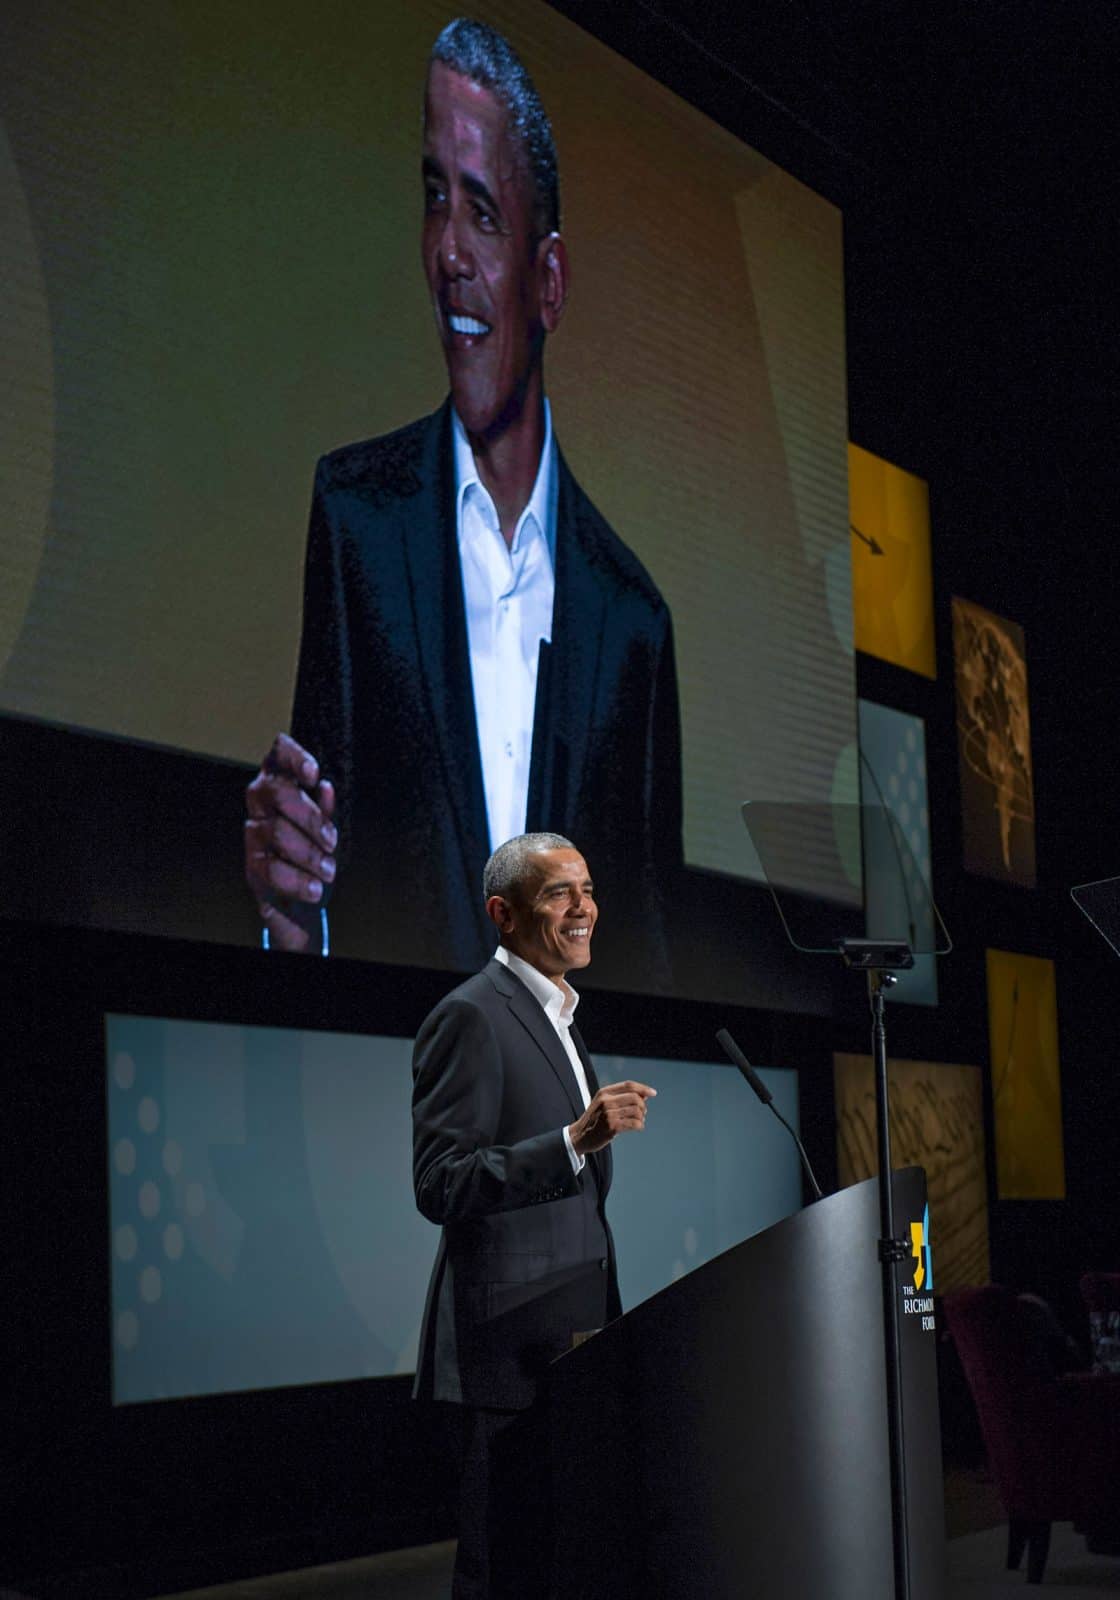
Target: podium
(727, 1438)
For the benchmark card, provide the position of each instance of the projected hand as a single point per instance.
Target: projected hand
(616, 1108)
(290, 841)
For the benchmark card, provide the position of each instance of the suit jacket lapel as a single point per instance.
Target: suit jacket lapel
(529, 1012)
(569, 668)
(602, 1161)
(581, 1051)
(439, 617)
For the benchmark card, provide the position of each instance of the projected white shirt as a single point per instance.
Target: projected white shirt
(508, 593)
(558, 1002)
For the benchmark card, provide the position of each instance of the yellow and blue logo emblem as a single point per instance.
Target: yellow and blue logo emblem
(923, 1256)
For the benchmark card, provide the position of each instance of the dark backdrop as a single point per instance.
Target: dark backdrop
(967, 149)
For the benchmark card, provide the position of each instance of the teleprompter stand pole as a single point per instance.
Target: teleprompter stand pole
(784, 835)
(891, 1252)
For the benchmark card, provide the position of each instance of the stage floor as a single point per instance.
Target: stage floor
(976, 1552)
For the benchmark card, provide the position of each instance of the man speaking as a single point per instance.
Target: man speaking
(511, 1156)
(481, 654)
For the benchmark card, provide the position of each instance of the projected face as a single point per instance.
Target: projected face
(496, 290)
(551, 922)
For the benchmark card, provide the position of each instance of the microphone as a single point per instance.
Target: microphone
(738, 1059)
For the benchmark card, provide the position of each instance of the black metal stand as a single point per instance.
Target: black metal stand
(865, 933)
(891, 1252)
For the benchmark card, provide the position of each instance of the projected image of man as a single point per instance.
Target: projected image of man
(480, 653)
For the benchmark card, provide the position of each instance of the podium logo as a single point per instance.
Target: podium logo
(917, 1295)
(920, 1250)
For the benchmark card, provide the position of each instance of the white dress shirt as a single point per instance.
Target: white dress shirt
(558, 1002)
(508, 593)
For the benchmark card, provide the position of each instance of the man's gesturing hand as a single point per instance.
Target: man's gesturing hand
(617, 1108)
(290, 840)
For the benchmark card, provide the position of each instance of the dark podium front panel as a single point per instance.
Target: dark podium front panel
(728, 1437)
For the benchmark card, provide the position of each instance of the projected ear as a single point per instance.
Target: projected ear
(552, 263)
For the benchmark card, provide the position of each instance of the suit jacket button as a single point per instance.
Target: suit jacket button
(603, 1264)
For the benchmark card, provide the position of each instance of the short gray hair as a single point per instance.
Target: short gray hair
(480, 53)
(508, 867)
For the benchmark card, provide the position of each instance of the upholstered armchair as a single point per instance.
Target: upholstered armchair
(1052, 1437)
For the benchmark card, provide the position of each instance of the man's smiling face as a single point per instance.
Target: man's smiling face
(485, 266)
(550, 921)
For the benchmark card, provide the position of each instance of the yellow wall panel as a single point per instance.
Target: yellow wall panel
(994, 744)
(1026, 1077)
(937, 1122)
(892, 578)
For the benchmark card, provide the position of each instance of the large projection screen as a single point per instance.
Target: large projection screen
(211, 246)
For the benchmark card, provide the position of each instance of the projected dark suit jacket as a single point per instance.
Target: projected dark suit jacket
(384, 700)
(526, 1257)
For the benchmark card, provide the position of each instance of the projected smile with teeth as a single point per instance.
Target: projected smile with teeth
(467, 325)
(490, 272)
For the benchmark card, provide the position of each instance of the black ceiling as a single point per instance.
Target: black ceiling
(971, 145)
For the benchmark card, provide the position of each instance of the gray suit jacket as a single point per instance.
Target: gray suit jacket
(526, 1257)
